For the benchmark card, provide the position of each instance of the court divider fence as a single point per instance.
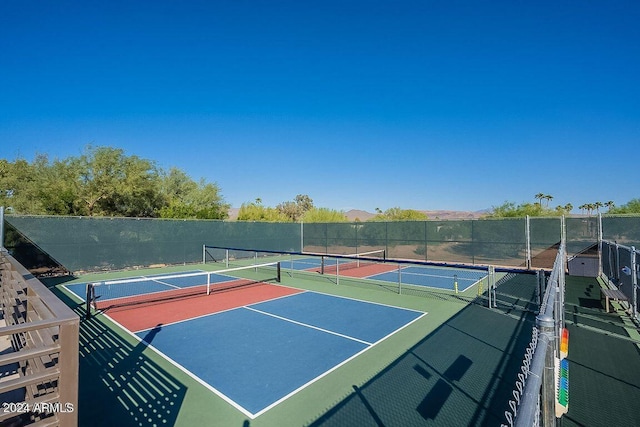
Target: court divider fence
(540, 395)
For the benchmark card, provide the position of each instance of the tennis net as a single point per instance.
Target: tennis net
(157, 288)
(333, 263)
(236, 257)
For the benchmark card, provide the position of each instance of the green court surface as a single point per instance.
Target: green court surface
(456, 366)
(604, 355)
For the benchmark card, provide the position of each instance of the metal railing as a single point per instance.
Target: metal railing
(620, 264)
(38, 351)
(534, 394)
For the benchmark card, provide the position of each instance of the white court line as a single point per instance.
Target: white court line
(324, 374)
(302, 387)
(286, 319)
(222, 311)
(186, 371)
(167, 284)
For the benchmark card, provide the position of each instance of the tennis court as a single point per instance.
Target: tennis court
(433, 277)
(255, 344)
(255, 356)
(158, 287)
(447, 278)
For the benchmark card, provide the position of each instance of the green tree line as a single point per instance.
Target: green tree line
(103, 181)
(538, 209)
(303, 209)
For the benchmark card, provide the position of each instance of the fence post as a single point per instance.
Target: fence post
(634, 282)
(527, 232)
(600, 244)
(1, 226)
(540, 288)
(546, 325)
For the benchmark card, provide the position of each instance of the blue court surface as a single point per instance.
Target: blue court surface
(142, 285)
(434, 277)
(258, 355)
(312, 263)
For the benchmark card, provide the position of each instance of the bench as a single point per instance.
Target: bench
(613, 295)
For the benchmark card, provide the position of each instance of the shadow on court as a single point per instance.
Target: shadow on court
(119, 385)
(461, 374)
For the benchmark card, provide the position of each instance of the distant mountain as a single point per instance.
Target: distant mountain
(358, 215)
(233, 213)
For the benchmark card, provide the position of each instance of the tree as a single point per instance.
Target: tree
(295, 210)
(188, 199)
(113, 184)
(511, 210)
(398, 214)
(539, 197)
(105, 181)
(597, 206)
(610, 205)
(324, 215)
(255, 211)
(631, 207)
(17, 188)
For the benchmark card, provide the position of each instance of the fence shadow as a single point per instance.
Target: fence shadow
(461, 374)
(119, 385)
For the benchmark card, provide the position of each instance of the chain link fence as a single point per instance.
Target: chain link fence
(93, 244)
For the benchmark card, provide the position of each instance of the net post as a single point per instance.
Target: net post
(492, 273)
(337, 272)
(226, 258)
(455, 283)
(209, 283)
(88, 301)
(204, 254)
(491, 287)
(278, 273)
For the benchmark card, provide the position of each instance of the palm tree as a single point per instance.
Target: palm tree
(598, 205)
(539, 197)
(582, 207)
(610, 205)
(568, 207)
(548, 198)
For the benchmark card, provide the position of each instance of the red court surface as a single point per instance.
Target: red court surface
(150, 315)
(366, 270)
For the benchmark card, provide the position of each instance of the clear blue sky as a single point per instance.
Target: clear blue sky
(360, 104)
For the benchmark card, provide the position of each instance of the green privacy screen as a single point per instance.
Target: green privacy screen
(501, 242)
(90, 244)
